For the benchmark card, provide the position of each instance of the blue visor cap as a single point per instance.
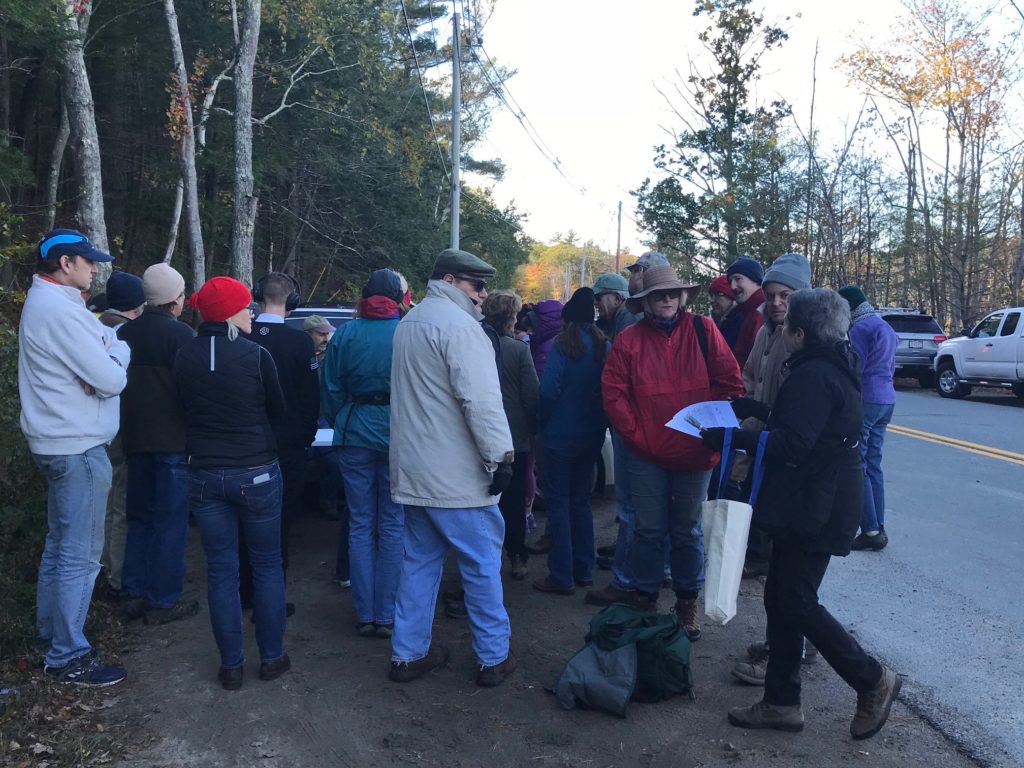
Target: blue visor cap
(68, 242)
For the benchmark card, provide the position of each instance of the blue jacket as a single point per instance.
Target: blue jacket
(570, 411)
(875, 342)
(357, 364)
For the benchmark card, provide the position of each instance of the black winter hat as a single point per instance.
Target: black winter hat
(384, 282)
(124, 291)
(580, 308)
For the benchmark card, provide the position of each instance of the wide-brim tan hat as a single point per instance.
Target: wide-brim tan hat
(662, 278)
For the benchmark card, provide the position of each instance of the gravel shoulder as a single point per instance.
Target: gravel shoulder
(336, 707)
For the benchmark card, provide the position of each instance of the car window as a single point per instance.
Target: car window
(913, 324)
(1010, 325)
(987, 327)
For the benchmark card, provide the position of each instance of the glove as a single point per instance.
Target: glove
(747, 407)
(500, 480)
(742, 439)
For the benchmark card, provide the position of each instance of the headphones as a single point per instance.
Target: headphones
(294, 298)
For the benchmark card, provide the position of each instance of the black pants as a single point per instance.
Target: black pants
(513, 507)
(292, 461)
(791, 602)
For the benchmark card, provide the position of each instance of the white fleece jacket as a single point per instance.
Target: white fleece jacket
(60, 346)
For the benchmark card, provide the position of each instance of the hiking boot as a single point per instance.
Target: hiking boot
(757, 651)
(549, 587)
(765, 715)
(183, 609)
(231, 677)
(489, 677)
(407, 671)
(271, 670)
(606, 551)
(87, 671)
(874, 543)
(752, 672)
(519, 567)
(873, 707)
(688, 613)
(607, 596)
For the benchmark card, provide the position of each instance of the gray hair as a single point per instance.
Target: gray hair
(233, 330)
(821, 313)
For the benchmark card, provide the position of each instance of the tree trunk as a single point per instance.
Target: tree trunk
(243, 224)
(85, 140)
(189, 187)
(5, 92)
(172, 231)
(60, 143)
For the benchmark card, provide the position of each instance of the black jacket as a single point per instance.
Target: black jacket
(231, 396)
(813, 485)
(152, 419)
(297, 371)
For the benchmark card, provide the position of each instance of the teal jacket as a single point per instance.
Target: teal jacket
(357, 366)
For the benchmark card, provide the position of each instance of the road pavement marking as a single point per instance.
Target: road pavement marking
(963, 445)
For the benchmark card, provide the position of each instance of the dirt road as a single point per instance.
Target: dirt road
(337, 708)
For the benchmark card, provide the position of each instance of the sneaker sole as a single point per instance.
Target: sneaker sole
(787, 727)
(748, 679)
(885, 718)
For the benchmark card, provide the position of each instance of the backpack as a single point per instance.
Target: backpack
(629, 654)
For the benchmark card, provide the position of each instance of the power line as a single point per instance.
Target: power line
(423, 89)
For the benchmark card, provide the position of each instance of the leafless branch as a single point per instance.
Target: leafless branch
(296, 77)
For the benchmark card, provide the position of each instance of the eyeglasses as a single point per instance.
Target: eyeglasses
(477, 283)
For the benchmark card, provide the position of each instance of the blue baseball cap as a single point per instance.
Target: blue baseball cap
(68, 242)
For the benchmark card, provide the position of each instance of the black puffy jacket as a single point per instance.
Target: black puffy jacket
(231, 398)
(814, 485)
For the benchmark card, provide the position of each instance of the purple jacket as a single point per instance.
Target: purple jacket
(546, 323)
(875, 343)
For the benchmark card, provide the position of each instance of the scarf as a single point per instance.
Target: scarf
(863, 310)
(667, 325)
(378, 308)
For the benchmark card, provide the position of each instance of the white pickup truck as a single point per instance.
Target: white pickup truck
(990, 355)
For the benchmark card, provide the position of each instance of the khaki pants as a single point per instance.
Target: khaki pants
(115, 528)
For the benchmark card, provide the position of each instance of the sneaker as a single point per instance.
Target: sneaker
(606, 551)
(688, 613)
(384, 631)
(519, 567)
(765, 715)
(344, 583)
(875, 543)
(407, 671)
(757, 651)
(271, 670)
(751, 672)
(366, 629)
(86, 671)
(183, 609)
(489, 677)
(549, 587)
(873, 707)
(231, 677)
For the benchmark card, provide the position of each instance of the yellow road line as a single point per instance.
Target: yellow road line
(963, 445)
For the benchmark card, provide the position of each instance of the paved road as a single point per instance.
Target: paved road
(942, 603)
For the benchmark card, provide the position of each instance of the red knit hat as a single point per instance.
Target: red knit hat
(220, 298)
(720, 285)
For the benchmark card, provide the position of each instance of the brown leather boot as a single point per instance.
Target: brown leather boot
(688, 613)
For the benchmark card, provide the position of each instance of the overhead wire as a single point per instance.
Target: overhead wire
(423, 89)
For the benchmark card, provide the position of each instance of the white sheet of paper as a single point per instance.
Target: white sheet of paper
(713, 413)
(324, 438)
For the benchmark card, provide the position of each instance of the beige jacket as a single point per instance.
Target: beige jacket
(448, 425)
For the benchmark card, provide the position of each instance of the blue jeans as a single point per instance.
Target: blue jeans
(622, 567)
(568, 485)
(157, 511)
(376, 527)
(223, 500)
(876, 418)
(667, 505)
(79, 484)
(476, 535)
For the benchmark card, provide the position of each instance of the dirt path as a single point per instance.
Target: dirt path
(337, 708)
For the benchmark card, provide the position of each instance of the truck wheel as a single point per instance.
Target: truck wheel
(948, 383)
(926, 379)
(1018, 390)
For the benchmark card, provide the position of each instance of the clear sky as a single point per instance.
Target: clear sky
(589, 72)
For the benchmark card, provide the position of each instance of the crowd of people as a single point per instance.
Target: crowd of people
(137, 421)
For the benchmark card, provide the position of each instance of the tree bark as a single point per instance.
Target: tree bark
(60, 143)
(189, 187)
(85, 140)
(5, 92)
(243, 224)
(172, 231)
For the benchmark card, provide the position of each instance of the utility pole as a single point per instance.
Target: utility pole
(456, 127)
(618, 241)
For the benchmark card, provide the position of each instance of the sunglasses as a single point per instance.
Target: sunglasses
(477, 283)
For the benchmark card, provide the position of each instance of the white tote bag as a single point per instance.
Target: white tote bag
(726, 527)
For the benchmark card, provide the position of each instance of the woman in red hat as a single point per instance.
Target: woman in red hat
(231, 394)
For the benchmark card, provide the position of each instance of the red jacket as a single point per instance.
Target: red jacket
(650, 375)
(751, 324)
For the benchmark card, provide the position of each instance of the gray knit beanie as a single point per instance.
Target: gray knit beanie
(790, 269)
(162, 284)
